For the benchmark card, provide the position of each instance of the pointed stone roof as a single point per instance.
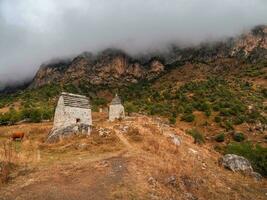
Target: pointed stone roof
(116, 100)
(75, 100)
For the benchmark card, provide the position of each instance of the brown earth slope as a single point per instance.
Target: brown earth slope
(133, 159)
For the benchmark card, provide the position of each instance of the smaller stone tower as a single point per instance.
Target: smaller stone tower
(116, 109)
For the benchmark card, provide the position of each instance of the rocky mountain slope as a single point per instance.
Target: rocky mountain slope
(116, 68)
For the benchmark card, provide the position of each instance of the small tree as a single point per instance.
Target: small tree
(130, 107)
(238, 137)
(35, 116)
(188, 117)
(220, 137)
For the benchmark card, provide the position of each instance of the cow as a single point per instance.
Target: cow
(17, 135)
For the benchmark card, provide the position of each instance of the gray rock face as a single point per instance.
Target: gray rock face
(236, 163)
(56, 134)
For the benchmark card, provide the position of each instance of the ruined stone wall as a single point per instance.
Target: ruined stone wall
(116, 112)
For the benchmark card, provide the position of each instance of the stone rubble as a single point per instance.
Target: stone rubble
(103, 132)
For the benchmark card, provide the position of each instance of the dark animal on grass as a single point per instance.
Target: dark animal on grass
(17, 135)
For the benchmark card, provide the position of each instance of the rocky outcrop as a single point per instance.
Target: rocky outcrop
(107, 68)
(238, 163)
(57, 134)
(252, 45)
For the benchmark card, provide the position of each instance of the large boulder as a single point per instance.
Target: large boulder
(236, 163)
(56, 134)
(239, 163)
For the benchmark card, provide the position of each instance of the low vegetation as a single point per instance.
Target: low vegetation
(234, 102)
(198, 137)
(7, 161)
(239, 137)
(220, 137)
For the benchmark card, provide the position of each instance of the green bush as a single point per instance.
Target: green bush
(238, 137)
(198, 137)
(225, 112)
(264, 92)
(256, 154)
(130, 108)
(217, 119)
(172, 120)
(188, 117)
(220, 137)
(239, 120)
(208, 112)
(35, 116)
(228, 125)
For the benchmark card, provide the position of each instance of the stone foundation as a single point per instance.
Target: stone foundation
(77, 129)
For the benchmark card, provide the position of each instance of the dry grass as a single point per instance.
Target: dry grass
(151, 167)
(134, 135)
(8, 157)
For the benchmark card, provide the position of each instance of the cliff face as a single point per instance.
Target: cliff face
(115, 68)
(252, 45)
(106, 68)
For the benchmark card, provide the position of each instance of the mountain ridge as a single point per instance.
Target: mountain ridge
(116, 68)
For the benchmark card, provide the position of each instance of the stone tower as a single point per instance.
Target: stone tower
(73, 115)
(116, 109)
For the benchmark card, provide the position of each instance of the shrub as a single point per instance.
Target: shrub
(264, 92)
(216, 107)
(208, 112)
(98, 102)
(238, 137)
(228, 125)
(188, 117)
(225, 112)
(253, 116)
(220, 137)
(35, 116)
(172, 120)
(257, 155)
(239, 120)
(198, 137)
(130, 107)
(217, 119)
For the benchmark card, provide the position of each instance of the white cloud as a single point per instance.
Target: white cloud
(33, 31)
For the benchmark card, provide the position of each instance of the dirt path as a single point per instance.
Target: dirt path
(124, 140)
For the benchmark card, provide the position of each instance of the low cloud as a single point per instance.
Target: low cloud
(34, 31)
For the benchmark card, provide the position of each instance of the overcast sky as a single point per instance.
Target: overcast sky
(34, 31)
